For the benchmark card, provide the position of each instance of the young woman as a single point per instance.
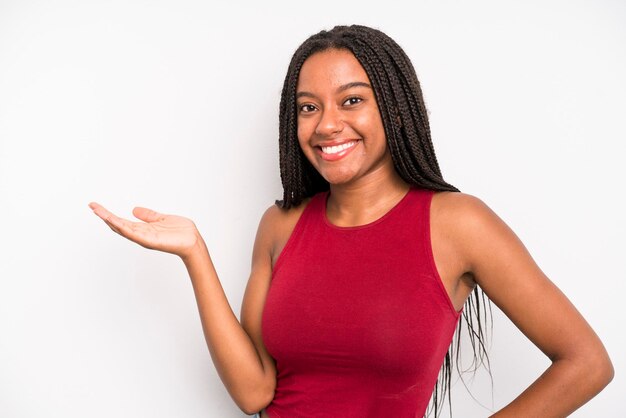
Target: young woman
(360, 273)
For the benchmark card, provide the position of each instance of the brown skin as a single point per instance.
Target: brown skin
(471, 245)
(490, 254)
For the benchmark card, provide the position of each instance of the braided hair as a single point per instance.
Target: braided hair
(400, 103)
(405, 121)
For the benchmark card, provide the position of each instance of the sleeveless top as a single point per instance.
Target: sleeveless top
(357, 318)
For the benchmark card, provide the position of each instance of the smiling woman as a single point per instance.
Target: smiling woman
(338, 118)
(361, 273)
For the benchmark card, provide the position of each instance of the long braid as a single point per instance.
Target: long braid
(407, 130)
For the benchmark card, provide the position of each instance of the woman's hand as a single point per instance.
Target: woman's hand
(168, 233)
(239, 355)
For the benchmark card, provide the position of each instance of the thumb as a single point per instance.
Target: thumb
(147, 215)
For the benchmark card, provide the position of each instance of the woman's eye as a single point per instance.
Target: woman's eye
(307, 108)
(352, 101)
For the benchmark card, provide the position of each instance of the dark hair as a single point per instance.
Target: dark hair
(405, 121)
(400, 103)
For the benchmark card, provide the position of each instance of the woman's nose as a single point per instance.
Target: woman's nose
(330, 123)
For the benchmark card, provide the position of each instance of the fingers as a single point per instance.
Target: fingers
(147, 215)
(100, 211)
(94, 205)
(117, 224)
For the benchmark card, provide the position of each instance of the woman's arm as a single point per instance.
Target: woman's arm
(242, 362)
(504, 269)
(247, 371)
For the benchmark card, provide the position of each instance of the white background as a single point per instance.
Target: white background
(173, 105)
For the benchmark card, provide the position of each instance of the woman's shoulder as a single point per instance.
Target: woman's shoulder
(277, 217)
(462, 214)
(276, 227)
(463, 228)
(459, 205)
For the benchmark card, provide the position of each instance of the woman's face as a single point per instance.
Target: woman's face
(340, 129)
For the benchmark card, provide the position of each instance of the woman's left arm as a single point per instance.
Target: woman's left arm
(503, 268)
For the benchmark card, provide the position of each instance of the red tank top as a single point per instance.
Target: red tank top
(357, 318)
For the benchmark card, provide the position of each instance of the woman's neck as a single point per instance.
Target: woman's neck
(365, 202)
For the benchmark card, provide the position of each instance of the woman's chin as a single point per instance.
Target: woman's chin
(339, 178)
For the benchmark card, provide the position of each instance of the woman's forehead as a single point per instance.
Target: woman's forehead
(331, 68)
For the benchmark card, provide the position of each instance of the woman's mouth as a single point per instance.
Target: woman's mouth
(336, 152)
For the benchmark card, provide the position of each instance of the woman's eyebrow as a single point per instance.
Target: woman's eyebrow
(354, 84)
(339, 89)
(304, 94)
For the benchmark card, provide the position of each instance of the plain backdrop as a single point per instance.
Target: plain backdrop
(173, 105)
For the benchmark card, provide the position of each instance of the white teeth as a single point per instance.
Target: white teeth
(337, 148)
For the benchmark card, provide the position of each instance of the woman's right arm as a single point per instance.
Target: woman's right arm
(237, 350)
(238, 354)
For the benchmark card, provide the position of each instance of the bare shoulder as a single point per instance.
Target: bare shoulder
(460, 210)
(276, 226)
(277, 216)
(277, 221)
(468, 227)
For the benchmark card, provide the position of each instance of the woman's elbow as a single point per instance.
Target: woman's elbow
(606, 372)
(599, 369)
(256, 401)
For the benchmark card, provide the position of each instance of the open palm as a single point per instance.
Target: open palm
(168, 233)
